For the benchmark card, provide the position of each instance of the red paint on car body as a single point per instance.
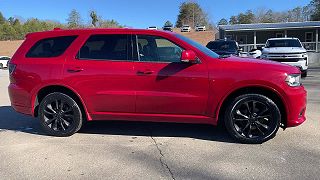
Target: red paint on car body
(148, 91)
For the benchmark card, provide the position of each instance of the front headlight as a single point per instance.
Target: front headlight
(264, 56)
(293, 80)
(304, 55)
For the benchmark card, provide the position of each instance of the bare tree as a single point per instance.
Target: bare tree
(94, 18)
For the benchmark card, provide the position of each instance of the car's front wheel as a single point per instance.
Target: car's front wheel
(252, 118)
(60, 115)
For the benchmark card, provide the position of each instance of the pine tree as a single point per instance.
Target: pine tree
(168, 23)
(223, 21)
(233, 20)
(190, 13)
(74, 20)
(316, 10)
(2, 19)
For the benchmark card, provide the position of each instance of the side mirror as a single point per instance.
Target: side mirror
(260, 48)
(188, 56)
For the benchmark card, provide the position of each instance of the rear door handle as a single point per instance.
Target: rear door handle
(76, 69)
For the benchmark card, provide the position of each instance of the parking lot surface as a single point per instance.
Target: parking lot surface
(132, 150)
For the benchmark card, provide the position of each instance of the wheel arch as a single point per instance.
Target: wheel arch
(62, 89)
(266, 91)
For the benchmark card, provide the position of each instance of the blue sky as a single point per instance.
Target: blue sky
(135, 13)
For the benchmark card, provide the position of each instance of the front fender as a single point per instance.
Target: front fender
(242, 86)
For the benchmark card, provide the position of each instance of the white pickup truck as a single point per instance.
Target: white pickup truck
(287, 50)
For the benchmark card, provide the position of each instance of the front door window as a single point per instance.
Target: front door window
(157, 49)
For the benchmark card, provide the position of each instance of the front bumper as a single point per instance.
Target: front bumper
(302, 65)
(4, 64)
(298, 60)
(296, 105)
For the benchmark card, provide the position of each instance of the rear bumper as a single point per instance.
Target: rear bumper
(297, 103)
(20, 100)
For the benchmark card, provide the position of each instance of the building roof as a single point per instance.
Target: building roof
(266, 26)
(287, 38)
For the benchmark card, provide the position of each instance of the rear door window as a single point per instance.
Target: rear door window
(105, 47)
(50, 47)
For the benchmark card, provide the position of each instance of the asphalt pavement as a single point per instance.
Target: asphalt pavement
(135, 150)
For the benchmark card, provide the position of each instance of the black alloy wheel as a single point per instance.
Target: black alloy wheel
(252, 118)
(60, 115)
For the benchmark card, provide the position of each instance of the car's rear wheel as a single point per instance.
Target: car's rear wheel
(304, 73)
(60, 115)
(252, 118)
(1, 66)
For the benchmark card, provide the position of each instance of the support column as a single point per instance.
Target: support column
(255, 39)
(285, 33)
(317, 39)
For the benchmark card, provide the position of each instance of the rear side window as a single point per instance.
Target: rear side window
(50, 47)
(105, 47)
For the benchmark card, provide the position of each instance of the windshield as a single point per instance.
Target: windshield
(283, 43)
(4, 58)
(202, 48)
(223, 46)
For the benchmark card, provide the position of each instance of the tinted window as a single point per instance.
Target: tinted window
(223, 45)
(154, 48)
(50, 47)
(283, 43)
(105, 47)
(199, 46)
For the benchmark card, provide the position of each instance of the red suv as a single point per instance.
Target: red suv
(67, 77)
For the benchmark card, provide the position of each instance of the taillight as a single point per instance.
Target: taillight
(12, 67)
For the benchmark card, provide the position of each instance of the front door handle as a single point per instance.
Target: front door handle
(75, 69)
(146, 72)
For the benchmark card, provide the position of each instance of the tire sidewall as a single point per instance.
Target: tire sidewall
(77, 119)
(276, 117)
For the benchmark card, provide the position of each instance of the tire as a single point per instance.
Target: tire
(252, 118)
(60, 115)
(1, 66)
(304, 73)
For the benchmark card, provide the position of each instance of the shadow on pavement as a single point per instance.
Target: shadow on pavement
(13, 121)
